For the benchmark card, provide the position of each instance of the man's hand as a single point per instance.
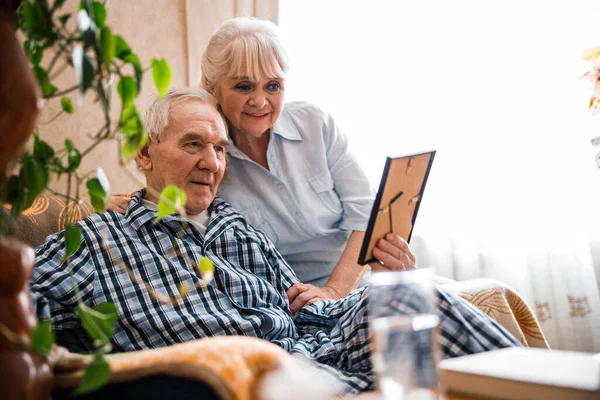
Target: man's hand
(393, 254)
(302, 294)
(118, 204)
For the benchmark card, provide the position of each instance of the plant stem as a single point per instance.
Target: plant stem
(92, 146)
(66, 91)
(55, 59)
(55, 193)
(53, 118)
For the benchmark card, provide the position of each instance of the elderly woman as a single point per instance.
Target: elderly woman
(290, 172)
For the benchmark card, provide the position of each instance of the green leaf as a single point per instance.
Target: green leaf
(99, 14)
(30, 18)
(134, 60)
(73, 160)
(205, 265)
(42, 151)
(42, 338)
(35, 19)
(34, 177)
(86, 5)
(128, 90)
(131, 120)
(69, 144)
(161, 73)
(98, 321)
(33, 51)
(104, 101)
(105, 105)
(97, 194)
(95, 376)
(122, 49)
(133, 144)
(48, 89)
(172, 199)
(15, 195)
(99, 191)
(73, 239)
(73, 156)
(87, 28)
(66, 105)
(89, 73)
(56, 166)
(132, 127)
(107, 45)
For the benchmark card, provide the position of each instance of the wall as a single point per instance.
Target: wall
(152, 29)
(176, 30)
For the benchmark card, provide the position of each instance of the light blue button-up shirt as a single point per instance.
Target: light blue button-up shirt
(314, 195)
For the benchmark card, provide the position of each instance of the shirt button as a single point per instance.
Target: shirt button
(297, 213)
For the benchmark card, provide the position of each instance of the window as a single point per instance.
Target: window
(491, 85)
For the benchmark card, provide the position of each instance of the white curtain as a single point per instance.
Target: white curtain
(514, 193)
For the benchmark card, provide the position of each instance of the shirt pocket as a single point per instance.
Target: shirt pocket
(257, 217)
(322, 184)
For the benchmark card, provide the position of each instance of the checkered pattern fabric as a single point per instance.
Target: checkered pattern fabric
(247, 296)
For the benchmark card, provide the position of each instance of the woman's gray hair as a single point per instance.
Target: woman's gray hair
(243, 47)
(157, 115)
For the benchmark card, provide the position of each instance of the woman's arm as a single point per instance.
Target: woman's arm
(343, 279)
(348, 273)
(393, 254)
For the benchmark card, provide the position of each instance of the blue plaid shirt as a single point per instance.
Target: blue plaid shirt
(246, 297)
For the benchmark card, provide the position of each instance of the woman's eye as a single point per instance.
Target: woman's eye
(243, 87)
(274, 86)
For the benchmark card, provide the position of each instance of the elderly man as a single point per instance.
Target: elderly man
(248, 294)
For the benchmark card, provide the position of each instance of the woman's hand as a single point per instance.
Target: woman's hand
(302, 294)
(118, 204)
(393, 254)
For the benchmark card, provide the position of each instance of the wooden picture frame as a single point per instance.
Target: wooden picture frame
(398, 199)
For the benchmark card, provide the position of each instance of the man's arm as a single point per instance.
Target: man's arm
(56, 282)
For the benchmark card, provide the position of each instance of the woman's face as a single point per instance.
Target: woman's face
(251, 107)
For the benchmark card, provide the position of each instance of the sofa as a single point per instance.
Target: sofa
(234, 367)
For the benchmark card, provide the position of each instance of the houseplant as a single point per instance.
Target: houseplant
(56, 41)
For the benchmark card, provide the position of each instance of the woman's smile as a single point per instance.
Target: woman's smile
(257, 116)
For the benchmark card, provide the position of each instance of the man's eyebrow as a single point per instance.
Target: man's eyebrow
(191, 136)
(188, 137)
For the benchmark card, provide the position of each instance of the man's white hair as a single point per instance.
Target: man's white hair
(157, 115)
(243, 47)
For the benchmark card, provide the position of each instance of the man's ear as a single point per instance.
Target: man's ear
(143, 159)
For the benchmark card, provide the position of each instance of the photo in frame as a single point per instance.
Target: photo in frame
(398, 200)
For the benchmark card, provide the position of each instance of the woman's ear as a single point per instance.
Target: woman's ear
(143, 159)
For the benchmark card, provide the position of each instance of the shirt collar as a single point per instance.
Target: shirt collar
(137, 215)
(286, 128)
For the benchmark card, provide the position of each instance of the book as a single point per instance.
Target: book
(398, 199)
(523, 373)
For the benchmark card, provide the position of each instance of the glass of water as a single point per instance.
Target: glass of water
(403, 325)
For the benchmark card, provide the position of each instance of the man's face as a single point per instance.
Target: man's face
(190, 155)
